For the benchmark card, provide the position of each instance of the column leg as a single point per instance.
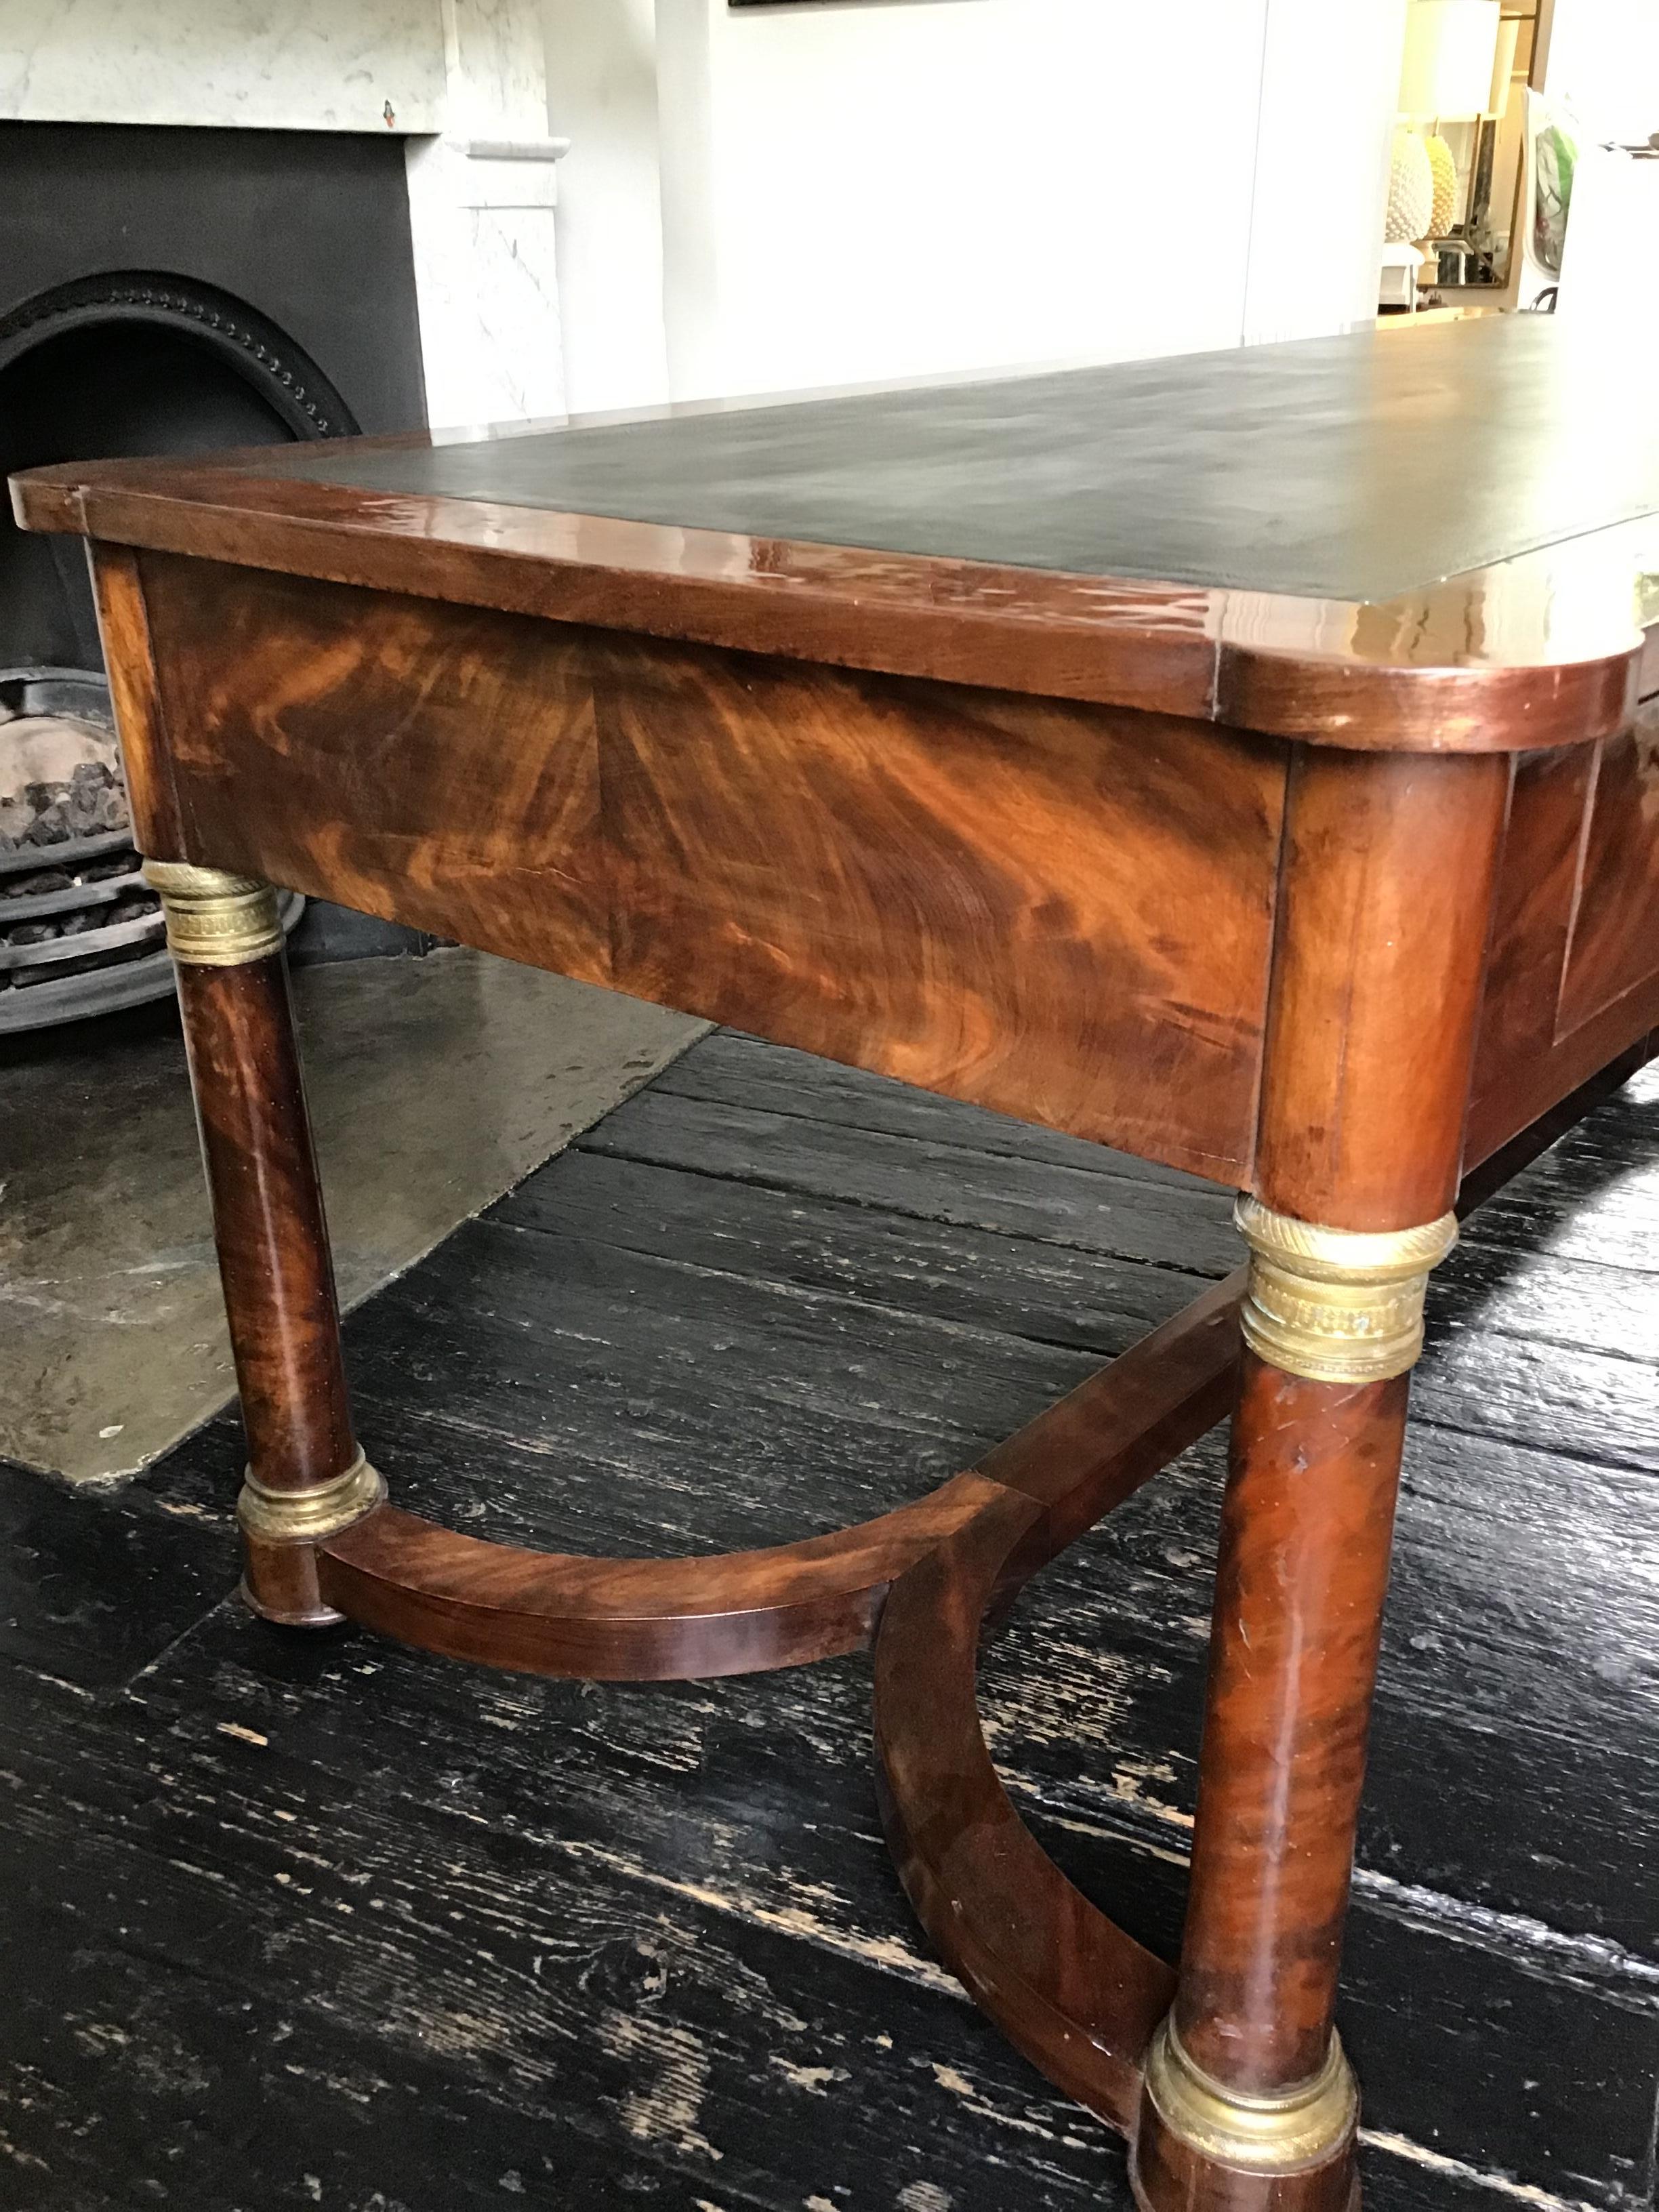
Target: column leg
(1249, 2103)
(306, 1477)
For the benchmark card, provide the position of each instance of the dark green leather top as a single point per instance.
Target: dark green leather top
(1351, 468)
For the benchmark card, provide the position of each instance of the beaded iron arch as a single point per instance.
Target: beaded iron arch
(282, 373)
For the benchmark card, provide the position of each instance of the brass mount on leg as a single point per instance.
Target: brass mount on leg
(1337, 1305)
(306, 1517)
(215, 920)
(1285, 2133)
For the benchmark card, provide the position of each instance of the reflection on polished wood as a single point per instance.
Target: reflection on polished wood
(1235, 760)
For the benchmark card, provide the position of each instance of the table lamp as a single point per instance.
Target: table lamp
(1450, 69)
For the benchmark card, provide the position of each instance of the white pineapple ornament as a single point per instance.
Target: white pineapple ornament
(1442, 165)
(1411, 191)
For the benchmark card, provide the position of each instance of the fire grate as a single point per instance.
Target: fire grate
(81, 932)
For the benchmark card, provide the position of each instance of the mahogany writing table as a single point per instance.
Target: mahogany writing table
(1238, 760)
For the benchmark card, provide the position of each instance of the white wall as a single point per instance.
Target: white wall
(602, 96)
(1328, 77)
(1604, 58)
(851, 193)
(894, 191)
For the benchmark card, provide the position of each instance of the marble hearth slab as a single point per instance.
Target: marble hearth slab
(435, 1085)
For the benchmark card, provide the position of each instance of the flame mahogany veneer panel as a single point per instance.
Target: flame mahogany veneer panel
(1059, 910)
(1532, 922)
(432, 764)
(1615, 938)
(1573, 976)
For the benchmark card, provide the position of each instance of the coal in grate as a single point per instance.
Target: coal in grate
(81, 932)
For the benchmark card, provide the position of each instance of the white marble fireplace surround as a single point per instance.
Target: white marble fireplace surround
(463, 83)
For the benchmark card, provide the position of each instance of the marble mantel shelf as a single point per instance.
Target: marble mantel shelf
(270, 64)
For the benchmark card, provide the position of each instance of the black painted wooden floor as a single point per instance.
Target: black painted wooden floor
(297, 1921)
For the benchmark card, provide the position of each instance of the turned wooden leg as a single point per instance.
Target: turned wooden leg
(1248, 2104)
(1248, 2099)
(306, 1478)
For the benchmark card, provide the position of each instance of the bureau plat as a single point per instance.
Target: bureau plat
(1238, 760)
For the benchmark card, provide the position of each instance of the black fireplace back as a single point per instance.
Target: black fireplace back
(170, 290)
(310, 228)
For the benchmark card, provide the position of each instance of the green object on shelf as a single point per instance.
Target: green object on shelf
(1556, 157)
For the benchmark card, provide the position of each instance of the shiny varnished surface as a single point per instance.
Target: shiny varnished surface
(124, 631)
(1122, 642)
(1432, 539)
(1059, 910)
(1387, 891)
(1011, 900)
(437, 765)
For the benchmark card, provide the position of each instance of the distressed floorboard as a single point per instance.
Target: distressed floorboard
(315, 1921)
